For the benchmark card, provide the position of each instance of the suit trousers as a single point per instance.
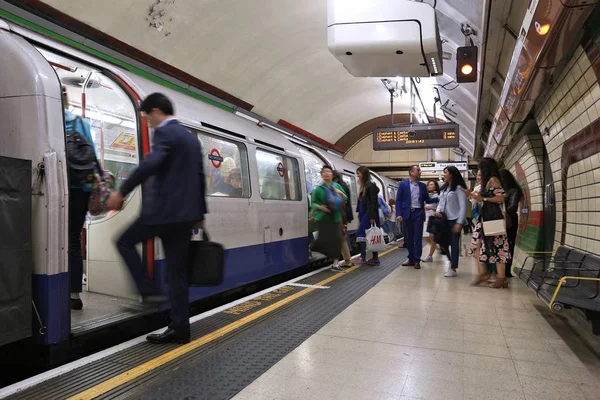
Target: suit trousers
(176, 241)
(413, 234)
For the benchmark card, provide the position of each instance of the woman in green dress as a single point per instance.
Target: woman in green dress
(327, 205)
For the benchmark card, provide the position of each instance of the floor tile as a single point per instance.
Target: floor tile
(483, 349)
(539, 356)
(433, 389)
(538, 389)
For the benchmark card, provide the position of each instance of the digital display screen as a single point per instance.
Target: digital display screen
(419, 136)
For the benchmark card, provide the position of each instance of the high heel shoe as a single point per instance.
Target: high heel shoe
(500, 283)
(480, 279)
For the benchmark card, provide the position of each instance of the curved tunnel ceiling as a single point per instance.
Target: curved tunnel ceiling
(273, 54)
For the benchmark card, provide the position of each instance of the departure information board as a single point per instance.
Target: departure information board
(418, 136)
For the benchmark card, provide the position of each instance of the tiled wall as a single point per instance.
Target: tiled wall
(571, 116)
(525, 162)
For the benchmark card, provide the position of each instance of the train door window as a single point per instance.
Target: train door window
(278, 176)
(108, 110)
(391, 192)
(351, 182)
(225, 165)
(312, 168)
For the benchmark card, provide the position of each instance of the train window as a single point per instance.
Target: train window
(351, 182)
(312, 167)
(225, 165)
(278, 176)
(108, 110)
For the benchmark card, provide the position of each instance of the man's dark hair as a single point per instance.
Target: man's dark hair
(413, 167)
(326, 167)
(157, 100)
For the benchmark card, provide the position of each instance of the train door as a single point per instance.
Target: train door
(113, 123)
(282, 209)
(549, 206)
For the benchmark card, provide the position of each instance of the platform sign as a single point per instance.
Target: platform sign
(440, 166)
(418, 136)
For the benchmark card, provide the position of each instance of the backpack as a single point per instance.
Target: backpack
(334, 202)
(81, 157)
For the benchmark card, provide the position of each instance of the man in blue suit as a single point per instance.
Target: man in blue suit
(173, 204)
(410, 210)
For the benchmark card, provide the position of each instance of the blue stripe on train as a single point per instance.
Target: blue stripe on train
(249, 264)
(242, 266)
(51, 298)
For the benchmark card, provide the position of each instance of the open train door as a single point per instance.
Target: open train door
(15, 249)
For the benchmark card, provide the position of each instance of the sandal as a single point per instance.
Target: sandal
(480, 279)
(500, 283)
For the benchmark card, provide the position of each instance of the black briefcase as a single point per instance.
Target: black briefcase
(206, 262)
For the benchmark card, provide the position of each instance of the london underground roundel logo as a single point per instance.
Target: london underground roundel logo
(215, 158)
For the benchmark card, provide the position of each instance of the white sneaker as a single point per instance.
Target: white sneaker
(450, 273)
(428, 259)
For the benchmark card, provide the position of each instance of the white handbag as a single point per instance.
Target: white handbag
(496, 227)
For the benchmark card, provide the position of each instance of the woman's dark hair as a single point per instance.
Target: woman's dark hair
(366, 174)
(489, 169)
(437, 185)
(326, 167)
(508, 180)
(337, 177)
(157, 100)
(457, 179)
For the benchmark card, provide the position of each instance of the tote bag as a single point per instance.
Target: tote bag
(375, 241)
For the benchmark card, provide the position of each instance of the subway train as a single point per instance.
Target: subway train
(260, 217)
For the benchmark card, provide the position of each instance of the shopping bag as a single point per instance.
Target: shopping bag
(206, 261)
(101, 190)
(375, 241)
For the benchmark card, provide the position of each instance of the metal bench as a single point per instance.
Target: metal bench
(536, 264)
(569, 279)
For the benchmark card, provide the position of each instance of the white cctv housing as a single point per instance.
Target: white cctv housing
(385, 38)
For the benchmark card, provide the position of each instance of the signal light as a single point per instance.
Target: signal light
(466, 64)
(542, 29)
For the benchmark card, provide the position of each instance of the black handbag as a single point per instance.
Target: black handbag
(206, 261)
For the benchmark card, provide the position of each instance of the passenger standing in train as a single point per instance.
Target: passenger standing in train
(79, 197)
(348, 218)
(327, 201)
(175, 203)
(514, 193)
(453, 208)
(410, 209)
(492, 249)
(433, 190)
(390, 221)
(368, 213)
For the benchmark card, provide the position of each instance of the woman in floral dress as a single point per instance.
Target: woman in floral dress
(492, 249)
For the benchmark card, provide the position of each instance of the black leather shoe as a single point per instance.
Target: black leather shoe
(169, 336)
(417, 265)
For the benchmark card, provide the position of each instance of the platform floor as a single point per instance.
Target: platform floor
(418, 335)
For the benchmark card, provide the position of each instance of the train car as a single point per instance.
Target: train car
(262, 226)
(391, 187)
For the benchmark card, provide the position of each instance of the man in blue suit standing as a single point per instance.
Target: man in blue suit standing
(172, 205)
(410, 209)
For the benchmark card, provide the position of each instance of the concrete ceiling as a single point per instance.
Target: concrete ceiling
(273, 54)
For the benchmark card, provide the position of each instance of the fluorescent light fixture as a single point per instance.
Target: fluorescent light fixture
(249, 118)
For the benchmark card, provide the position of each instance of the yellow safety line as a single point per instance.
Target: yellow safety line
(564, 280)
(159, 361)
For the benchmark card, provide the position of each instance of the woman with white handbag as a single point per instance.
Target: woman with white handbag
(490, 231)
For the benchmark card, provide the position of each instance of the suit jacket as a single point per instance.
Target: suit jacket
(173, 177)
(404, 200)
